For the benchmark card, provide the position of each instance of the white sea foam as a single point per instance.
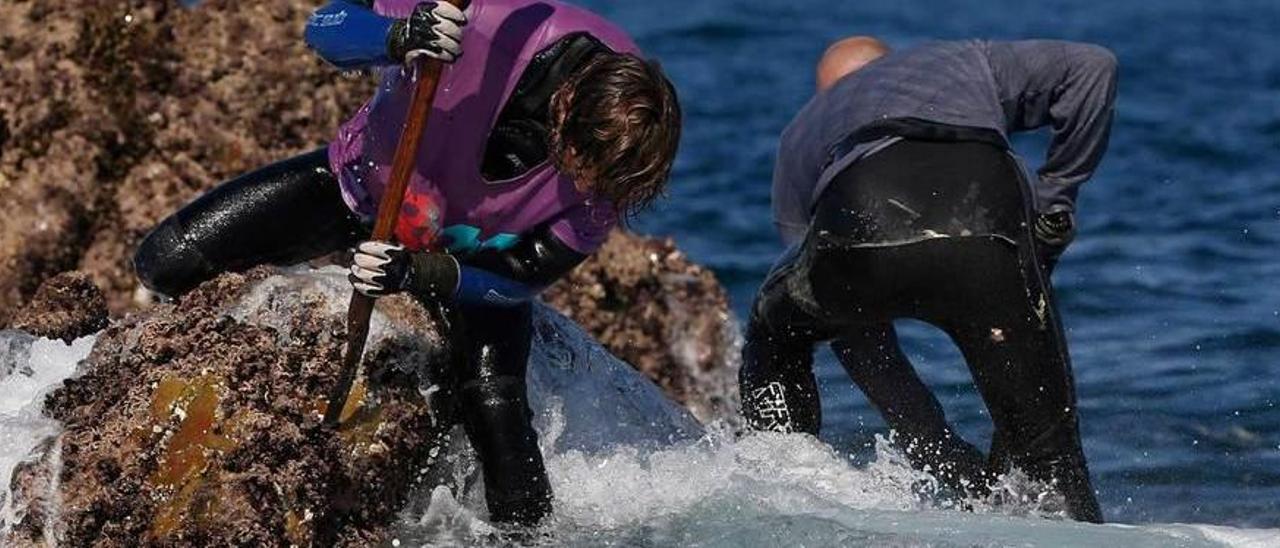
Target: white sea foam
(771, 490)
(29, 369)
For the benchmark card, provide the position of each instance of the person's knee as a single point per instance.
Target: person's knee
(767, 354)
(167, 263)
(494, 392)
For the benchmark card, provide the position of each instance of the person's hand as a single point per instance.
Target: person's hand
(1054, 232)
(380, 269)
(434, 29)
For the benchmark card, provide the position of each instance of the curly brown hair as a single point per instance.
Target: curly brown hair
(616, 128)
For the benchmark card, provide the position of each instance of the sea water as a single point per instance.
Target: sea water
(1170, 293)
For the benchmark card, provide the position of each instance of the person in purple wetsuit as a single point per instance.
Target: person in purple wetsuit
(547, 128)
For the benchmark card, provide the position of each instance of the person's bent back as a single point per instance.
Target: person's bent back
(899, 194)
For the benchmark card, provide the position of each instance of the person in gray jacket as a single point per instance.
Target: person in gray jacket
(899, 196)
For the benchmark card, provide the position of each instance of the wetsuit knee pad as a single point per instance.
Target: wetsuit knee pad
(167, 263)
(779, 391)
(780, 403)
(284, 213)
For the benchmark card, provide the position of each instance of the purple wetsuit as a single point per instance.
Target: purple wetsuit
(474, 213)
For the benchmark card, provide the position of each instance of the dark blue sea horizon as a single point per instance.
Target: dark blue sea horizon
(1169, 294)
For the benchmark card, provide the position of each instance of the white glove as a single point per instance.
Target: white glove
(434, 29)
(379, 269)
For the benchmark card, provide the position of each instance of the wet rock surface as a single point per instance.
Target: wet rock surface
(199, 424)
(196, 423)
(33, 487)
(654, 308)
(67, 307)
(114, 113)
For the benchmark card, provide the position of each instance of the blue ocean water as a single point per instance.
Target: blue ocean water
(1169, 294)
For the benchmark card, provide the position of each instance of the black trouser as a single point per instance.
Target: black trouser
(937, 232)
(291, 212)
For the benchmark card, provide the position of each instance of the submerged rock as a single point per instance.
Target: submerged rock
(33, 487)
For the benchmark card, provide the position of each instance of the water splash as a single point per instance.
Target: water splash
(31, 369)
(771, 490)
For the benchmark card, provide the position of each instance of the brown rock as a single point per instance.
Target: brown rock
(114, 113)
(198, 424)
(657, 310)
(32, 486)
(66, 307)
(40, 239)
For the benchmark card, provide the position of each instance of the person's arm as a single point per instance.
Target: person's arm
(491, 277)
(517, 274)
(350, 35)
(1070, 87)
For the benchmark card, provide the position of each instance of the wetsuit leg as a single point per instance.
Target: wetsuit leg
(285, 213)
(779, 390)
(1012, 339)
(492, 354)
(941, 232)
(874, 360)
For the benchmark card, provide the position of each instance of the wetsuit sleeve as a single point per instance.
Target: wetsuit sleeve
(503, 278)
(1070, 87)
(349, 35)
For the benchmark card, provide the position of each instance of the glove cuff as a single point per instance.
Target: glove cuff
(397, 36)
(434, 277)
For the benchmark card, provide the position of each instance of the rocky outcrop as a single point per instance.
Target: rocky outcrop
(199, 424)
(67, 307)
(654, 308)
(114, 113)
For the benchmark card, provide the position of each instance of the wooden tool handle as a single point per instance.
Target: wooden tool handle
(402, 164)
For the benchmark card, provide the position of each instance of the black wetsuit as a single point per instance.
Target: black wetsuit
(937, 231)
(898, 195)
(293, 211)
